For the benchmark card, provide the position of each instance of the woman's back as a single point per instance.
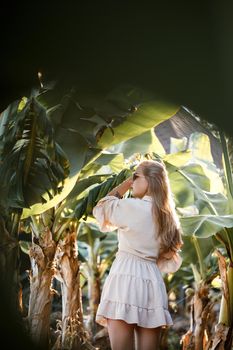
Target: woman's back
(139, 236)
(132, 217)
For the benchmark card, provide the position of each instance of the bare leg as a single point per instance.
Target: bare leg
(121, 334)
(147, 338)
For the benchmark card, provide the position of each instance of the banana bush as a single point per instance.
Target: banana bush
(32, 164)
(86, 126)
(46, 142)
(212, 224)
(85, 139)
(96, 252)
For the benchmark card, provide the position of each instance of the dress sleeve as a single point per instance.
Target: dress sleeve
(170, 265)
(111, 213)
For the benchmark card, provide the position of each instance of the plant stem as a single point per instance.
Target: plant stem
(227, 163)
(200, 257)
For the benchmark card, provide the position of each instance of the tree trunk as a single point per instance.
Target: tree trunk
(9, 269)
(197, 336)
(73, 333)
(223, 337)
(9, 273)
(42, 272)
(94, 293)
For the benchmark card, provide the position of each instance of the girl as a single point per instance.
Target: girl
(134, 298)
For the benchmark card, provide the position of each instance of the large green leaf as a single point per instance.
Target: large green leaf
(75, 196)
(204, 226)
(8, 116)
(178, 144)
(74, 186)
(97, 248)
(147, 142)
(218, 200)
(36, 209)
(146, 116)
(85, 127)
(227, 169)
(183, 187)
(33, 166)
(81, 184)
(199, 144)
(196, 186)
(106, 163)
(84, 206)
(178, 159)
(206, 247)
(83, 197)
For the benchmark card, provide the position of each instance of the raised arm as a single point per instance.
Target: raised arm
(121, 189)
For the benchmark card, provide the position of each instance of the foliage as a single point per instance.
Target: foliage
(85, 126)
(32, 163)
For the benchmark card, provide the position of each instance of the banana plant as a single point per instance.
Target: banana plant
(98, 251)
(73, 136)
(224, 334)
(32, 165)
(53, 253)
(215, 219)
(187, 169)
(185, 196)
(85, 126)
(77, 206)
(83, 205)
(197, 254)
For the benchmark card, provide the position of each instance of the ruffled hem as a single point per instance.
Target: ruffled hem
(134, 291)
(148, 318)
(141, 292)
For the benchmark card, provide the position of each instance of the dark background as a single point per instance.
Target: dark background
(181, 50)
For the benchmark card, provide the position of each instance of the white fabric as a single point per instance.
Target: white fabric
(170, 265)
(134, 290)
(132, 217)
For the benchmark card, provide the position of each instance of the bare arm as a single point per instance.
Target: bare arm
(121, 189)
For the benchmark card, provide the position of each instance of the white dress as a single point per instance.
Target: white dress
(134, 290)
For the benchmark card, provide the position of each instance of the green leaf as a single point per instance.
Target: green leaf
(147, 142)
(178, 144)
(199, 144)
(25, 246)
(204, 226)
(218, 200)
(178, 159)
(146, 116)
(105, 163)
(30, 156)
(78, 120)
(189, 254)
(200, 147)
(184, 180)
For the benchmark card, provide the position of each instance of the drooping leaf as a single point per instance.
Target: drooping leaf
(33, 167)
(204, 226)
(124, 113)
(147, 142)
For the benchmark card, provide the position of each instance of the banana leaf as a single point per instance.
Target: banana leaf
(147, 142)
(33, 166)
(83, 131)
(204, 226)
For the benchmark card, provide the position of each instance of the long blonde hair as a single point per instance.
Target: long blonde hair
(163, 206)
